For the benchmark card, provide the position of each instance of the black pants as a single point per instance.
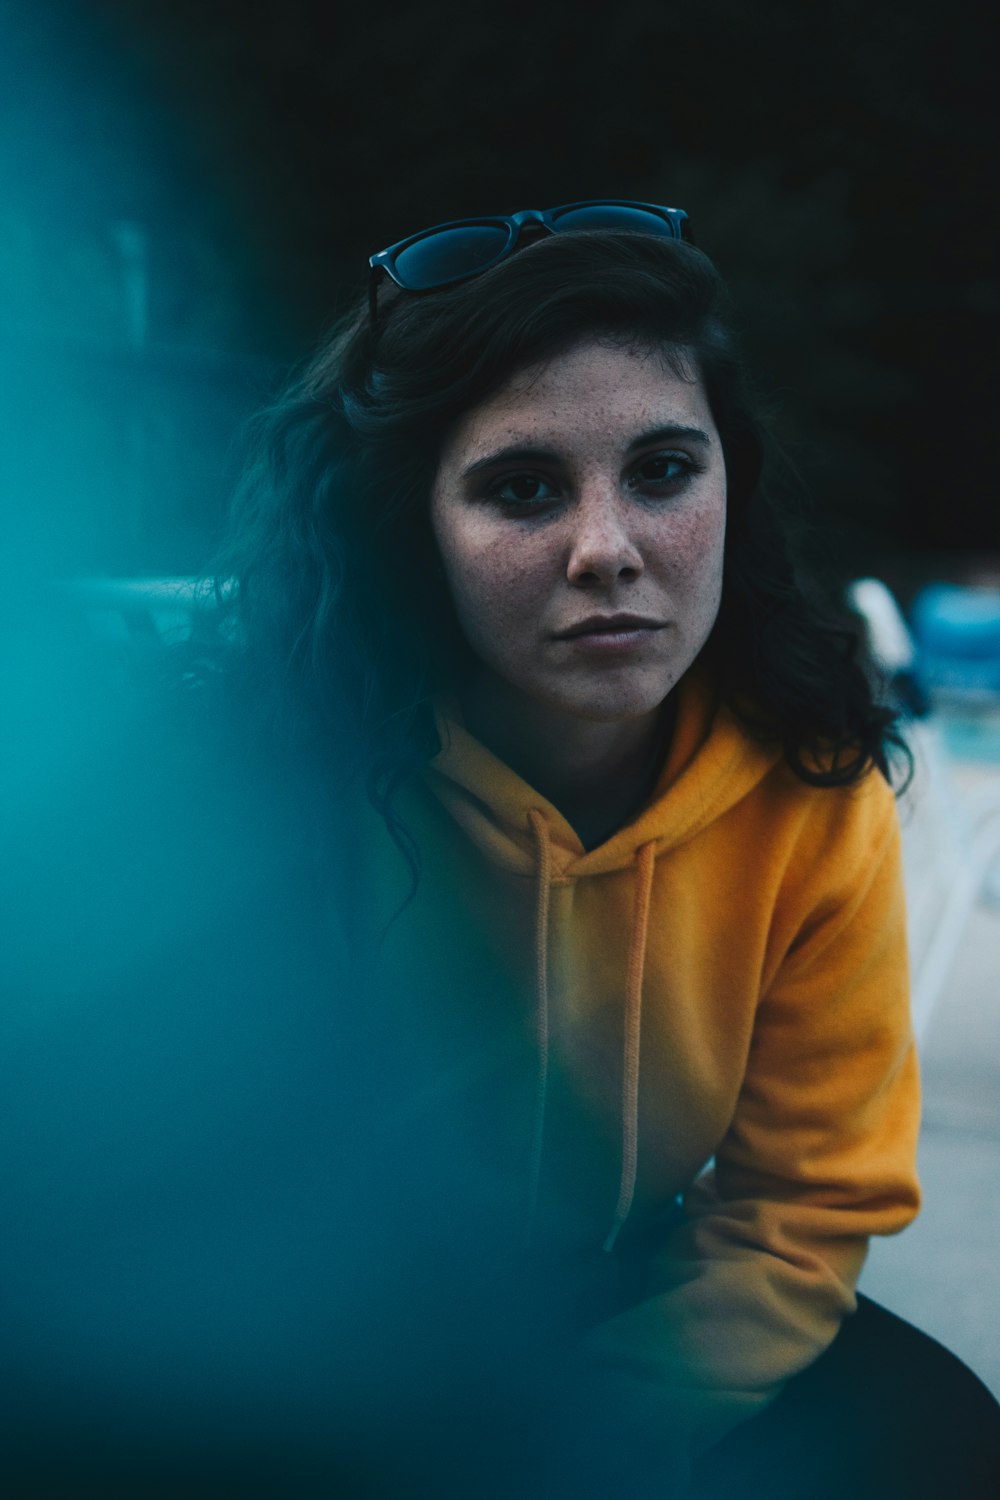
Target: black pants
(885, 1412)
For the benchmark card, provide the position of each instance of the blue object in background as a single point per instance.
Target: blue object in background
(957, 632)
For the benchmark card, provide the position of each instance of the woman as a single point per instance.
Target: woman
(632, 877)
(525, 1136)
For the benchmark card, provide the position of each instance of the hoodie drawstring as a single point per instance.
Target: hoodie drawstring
(646, 863)
(646, 860)
(543, 875)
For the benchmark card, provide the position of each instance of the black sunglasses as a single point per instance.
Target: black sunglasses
(449, 253)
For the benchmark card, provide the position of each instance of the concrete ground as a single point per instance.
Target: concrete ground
(943, 1273)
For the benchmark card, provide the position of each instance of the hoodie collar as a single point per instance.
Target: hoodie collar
(710, 766)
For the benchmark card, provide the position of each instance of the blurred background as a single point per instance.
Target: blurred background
(189, 192)
(190, 189)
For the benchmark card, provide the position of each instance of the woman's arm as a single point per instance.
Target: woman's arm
(819, 1155)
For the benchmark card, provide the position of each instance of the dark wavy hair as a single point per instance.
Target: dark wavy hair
(339, 621)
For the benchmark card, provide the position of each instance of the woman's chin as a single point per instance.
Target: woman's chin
(611, 707)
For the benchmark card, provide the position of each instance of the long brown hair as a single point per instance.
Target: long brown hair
(339, 621)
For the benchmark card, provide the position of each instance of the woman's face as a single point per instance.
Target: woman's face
(580, 516)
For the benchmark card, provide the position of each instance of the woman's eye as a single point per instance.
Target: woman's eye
(664, 471)
(523, 489)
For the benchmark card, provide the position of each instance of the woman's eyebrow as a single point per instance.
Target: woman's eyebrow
(669, 434)
(518, 453)
(524, 453)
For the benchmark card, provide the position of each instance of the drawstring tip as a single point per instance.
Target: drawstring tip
(609, 1243)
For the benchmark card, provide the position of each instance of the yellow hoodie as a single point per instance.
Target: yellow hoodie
(712, 1004)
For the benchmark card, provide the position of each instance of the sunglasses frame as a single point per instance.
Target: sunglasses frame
(547, 220)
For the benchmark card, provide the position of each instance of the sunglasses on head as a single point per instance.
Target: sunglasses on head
(453, 252)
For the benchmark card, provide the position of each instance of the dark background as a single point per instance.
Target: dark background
(838, 162)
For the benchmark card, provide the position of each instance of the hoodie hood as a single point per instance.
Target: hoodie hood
(709, 767)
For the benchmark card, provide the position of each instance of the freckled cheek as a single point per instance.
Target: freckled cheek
(694, 541)
(496, 588)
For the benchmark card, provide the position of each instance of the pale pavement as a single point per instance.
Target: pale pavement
(943, 1273)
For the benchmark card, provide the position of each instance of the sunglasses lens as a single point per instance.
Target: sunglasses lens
(450, 255)
(615, 216)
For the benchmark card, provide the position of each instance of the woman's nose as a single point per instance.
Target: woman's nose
(602, 546)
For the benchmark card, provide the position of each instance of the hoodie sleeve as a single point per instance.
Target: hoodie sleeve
(754, 1283)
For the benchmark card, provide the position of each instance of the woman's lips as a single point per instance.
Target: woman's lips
(623, 634)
